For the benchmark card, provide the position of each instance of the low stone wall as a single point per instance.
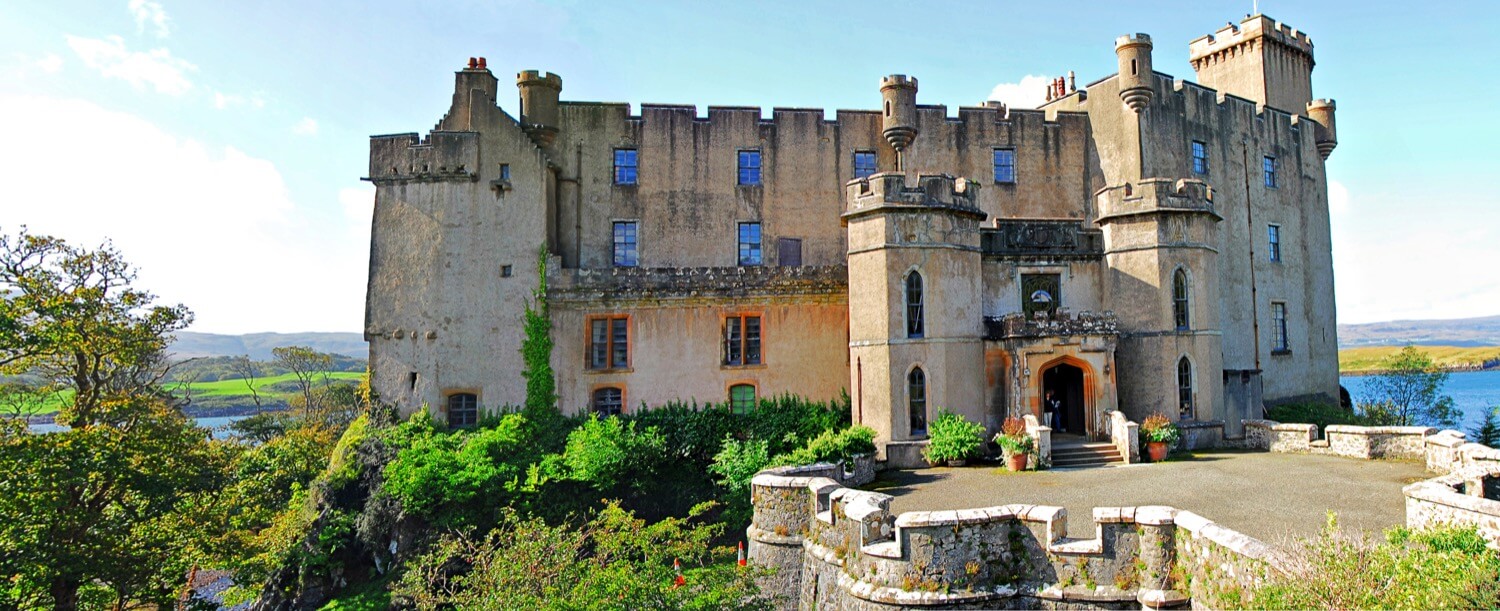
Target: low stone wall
(1126, 436)
(840, 548)
(1400, 442)
(1201, 435)
(905, 454)
(1041, 437)
(1450, 451)
(1470, 497)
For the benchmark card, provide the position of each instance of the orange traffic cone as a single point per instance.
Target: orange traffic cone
(741, 546)
(679, 580)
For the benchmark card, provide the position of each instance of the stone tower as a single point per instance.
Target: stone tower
(916, 322)
(1134, 53)
(899, 116)
(539, 94)
(1157, 239)
(1259, 59)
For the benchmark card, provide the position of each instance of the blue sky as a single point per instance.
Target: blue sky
(221, 148)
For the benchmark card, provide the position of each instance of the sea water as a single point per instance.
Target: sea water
(1472, 392)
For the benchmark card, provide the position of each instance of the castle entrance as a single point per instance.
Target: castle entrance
(1064, 384)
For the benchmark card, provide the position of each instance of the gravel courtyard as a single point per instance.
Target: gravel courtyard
(1268, 496)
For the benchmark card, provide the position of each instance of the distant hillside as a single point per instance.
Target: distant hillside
(1468, 332)
(259, 345)
(1370, 359)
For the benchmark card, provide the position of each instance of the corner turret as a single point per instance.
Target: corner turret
(899, 118)
(539, 94)
(1325, 134)
(1134, 52)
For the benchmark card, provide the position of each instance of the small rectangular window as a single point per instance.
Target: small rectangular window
(608, 401)
(625, 244)
(1200, 157)
(742, 340)
(741, 398)
(505, 172)
(505, 271)
(1273, 235)
(1268, 166)
(626, 166)
(749, 238)
(749, 168)
(609, 342)
(789, 252)
(864, 163)
(463, 409)
(1005, 166)
(1278, 319)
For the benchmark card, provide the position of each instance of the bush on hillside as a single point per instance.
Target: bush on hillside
(1439, 568)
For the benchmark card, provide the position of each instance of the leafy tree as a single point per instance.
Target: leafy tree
(306, 365)
(70, 315)
(1409, 392)
(248, 371)
(93, 509)
(1488, 431)
(615, 561)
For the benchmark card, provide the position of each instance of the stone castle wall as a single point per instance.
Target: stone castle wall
(836, 547)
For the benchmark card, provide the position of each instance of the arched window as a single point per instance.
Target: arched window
(914, 323)
(741, 398)
(916, 401)
(463, 409)
(607, 401)
(1180, 300)
(1184, 388)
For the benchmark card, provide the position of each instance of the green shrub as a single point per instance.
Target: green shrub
(607, 453)
(1438, 568)
(460, 478)
(735, 465)
(1321, 414)
(951, 437)
(831, 446)
(615, 561)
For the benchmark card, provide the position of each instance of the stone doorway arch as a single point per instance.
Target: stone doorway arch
(1072, 382)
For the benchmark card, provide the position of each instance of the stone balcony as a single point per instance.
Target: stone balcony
(1064, 323)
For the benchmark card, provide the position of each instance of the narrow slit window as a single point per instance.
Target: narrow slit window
(1184, 388)
(1268, 167)
(1278, 322)
(916, 401)
(1273, 238)
(1180, 300)
(915, 326)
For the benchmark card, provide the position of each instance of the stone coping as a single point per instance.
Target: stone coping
(1447, 490)
(872, 508)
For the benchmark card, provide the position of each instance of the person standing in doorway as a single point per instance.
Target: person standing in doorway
(1054, 411)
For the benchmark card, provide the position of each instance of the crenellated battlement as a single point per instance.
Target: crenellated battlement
(539, 77)
(442, 156)
(1155, 195)
(839, 547)
(929, 191)
(1249, 31)
(898, 80)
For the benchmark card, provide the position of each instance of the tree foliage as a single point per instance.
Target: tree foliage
(71, 317)
(614, 561)
(1409, 392)
(1487, 432)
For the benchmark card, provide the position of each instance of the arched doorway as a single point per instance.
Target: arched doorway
(1064, 382)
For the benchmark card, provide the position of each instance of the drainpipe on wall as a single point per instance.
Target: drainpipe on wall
(1250, 238)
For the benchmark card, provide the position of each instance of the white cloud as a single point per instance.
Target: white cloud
(17, 66)
(1031, 92)
(1338, 198)
(306, 127)
(209, 226)
(224, 101)
(50, 63)
(147, 12)
(157, 67)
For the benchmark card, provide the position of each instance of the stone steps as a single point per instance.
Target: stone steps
(1075, 456)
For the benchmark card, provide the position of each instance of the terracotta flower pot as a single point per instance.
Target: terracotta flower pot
(1017, 461)
(1157, 450)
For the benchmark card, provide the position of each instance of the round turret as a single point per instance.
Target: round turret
(1325, 135)
(1134, 52)
(539, 94)
(899, 117)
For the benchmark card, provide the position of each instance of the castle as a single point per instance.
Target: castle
(1141, 244)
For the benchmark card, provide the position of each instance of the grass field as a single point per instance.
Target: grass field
(1367, 359)
(272, 389)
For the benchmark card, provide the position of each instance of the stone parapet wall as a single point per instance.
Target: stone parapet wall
(1470, 497)
(625, 283)
(1398, 442)
(854, 554)
(1126, 437)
